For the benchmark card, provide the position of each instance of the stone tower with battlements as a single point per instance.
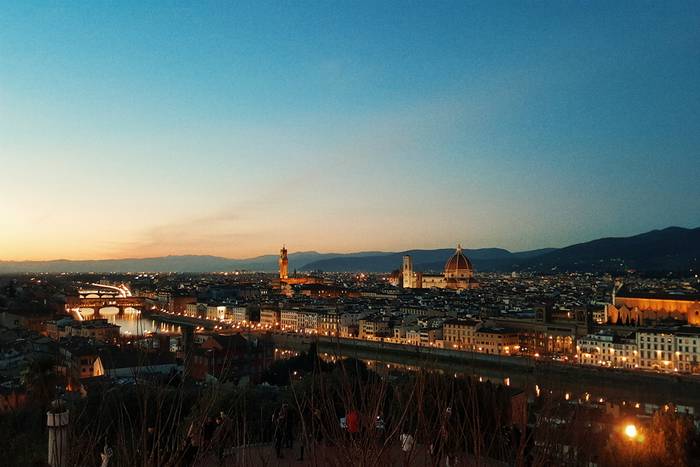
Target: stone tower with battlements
(284, 263)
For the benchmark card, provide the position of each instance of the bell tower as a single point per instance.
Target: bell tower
(284, 263)
(407, 271)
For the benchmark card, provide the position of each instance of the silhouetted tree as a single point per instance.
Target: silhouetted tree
(41, 379)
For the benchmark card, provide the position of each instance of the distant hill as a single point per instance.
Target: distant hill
(184, 263)
(670, 249)
(483, 259)
(506, 261)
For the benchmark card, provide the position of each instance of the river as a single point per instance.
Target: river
(132, 323)
(135, 325)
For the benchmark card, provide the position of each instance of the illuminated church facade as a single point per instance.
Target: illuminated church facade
(457, 275)
(639, 307)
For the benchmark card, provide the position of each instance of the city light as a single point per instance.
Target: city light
(631, 431)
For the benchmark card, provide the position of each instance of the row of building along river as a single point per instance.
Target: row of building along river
(642, 392)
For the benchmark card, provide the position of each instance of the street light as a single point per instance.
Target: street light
(631, 431)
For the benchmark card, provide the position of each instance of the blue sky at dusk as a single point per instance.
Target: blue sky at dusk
(153, 128)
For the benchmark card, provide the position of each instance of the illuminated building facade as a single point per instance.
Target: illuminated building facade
(497, 341)
(670, 349)
(460, 333)
(329, 323)
(307, 320)
(289, 319)
(216, 312)
(241, 314)
(674, 349)
(606, 349)
(373, 328)
(270, 317)
(637, 307)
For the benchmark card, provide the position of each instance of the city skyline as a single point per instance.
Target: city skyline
(228, 130)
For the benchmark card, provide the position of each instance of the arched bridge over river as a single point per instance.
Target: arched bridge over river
(107, 305)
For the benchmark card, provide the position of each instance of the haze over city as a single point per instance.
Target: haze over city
(132, 131)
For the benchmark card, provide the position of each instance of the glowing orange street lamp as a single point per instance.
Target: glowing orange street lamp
(631, 431)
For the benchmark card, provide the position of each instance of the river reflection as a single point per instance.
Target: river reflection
(131, 322)
(135, 324)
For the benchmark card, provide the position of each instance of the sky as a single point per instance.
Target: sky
(136, 129)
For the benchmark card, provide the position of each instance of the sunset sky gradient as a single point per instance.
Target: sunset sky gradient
(131, 129)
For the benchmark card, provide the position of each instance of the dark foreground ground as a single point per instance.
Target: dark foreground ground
(322, 455)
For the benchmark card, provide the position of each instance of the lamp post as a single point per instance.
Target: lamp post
(632, 444)
(57, 423)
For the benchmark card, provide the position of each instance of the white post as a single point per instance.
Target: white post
(57, 423)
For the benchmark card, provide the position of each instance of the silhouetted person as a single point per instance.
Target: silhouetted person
(280, 420)
(222, 436)
(316, 426)
(307, 434)
(379, 429)
(407, 442)
(441, 444)
(290, 428)
(208, 431)
(352, 422)
(150, 448)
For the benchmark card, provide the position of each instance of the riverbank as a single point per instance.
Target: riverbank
(187, 321)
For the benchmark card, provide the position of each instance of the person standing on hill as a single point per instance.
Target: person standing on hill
(352, 422)
(441, 446)
(223, 436)
(280, 423)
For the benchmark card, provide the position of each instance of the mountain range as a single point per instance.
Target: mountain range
(670, 249)
(181, 263)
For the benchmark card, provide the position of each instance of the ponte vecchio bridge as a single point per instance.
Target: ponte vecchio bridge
(106, 305)
(105, 301)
